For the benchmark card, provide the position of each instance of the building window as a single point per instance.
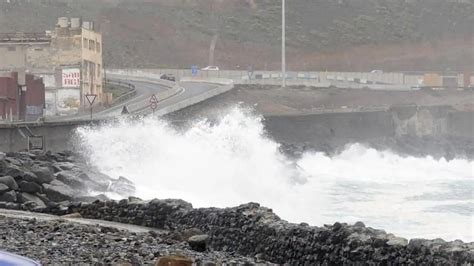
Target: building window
(86, 43)
(98, 47)
(91, 45)
(92, 69)
(38, 49)
(11, 48)
(98, 70)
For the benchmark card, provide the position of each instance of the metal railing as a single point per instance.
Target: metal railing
(124, 96)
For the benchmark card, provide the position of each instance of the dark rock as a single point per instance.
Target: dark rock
(199, 242)
(44, 174)
(13, 161)
(415, 244)
(27, 197)
(9, 182)
(359, 224)
(30, 187)
(9, 205)
(9, 196)
(13, 171)
(44, 198)
(3, 188)
(188, 233)
(396, 241)
(64, 166)
(101, 197)
(72, 179)
(30, 177)
(336, 226)
(33, 206)
(58, 191)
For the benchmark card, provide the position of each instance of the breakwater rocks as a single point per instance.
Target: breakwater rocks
(39, 180)
(254, 231)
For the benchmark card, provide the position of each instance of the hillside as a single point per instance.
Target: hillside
(322, 34)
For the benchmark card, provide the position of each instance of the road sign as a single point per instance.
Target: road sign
(250, 72)
(153, 99)
(125, 110)
(153, 103)
(91, 98)
(194, 70)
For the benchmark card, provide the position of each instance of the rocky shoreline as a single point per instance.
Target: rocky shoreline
(61, 242)
(55, 183)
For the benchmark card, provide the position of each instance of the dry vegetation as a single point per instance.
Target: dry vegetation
(322, 34)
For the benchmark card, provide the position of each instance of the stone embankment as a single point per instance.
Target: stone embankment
(255, 231)
(245, 234)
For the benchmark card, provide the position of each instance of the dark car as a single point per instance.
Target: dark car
(168, 77)
(9, 259)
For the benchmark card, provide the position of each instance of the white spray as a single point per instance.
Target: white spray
(233, 162)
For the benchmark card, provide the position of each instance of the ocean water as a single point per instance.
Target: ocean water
(233, 161)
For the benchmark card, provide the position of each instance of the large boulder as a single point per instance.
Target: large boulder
(13, 161)
(58, 191)
(9, 182)
(9, 196)
(199, 243)
(73, 179)
(3, 188)
(3, 156)
(30, 187)
(30, 177)
(28, 198)
(90, 199)
(64, 166)
(13, 171)
(44, 174)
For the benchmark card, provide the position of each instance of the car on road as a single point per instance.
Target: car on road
(8, 259)
(168, 77)
(211, 68)
(376, 71)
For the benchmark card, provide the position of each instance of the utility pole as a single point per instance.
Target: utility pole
(283, 43)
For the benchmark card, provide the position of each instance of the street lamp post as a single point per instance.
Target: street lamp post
(283, 43)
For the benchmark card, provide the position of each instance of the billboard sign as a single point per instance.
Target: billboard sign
(71, 78)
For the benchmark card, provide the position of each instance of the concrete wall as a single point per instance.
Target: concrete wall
(323, 79)
(333, 129)
(12, 57)
(351, 80)
(461, 124)
(57, 136)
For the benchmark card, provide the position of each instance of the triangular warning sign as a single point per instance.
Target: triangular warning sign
(153, 99)
(91, 98)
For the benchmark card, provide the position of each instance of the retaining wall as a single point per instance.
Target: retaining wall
(334, 129)
(274, 77)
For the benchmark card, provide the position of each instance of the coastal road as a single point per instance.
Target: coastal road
(140, 102)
